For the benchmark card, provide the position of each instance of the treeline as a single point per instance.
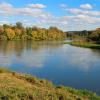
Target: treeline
(75, 34)
(18, 32)
(93, 36)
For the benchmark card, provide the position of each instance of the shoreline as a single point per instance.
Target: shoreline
(84, 44)
(23, 86)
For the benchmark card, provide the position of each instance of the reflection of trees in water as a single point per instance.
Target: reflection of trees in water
(10, 47)
(17, 47)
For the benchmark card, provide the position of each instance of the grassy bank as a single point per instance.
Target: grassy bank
(15, 86)
(85, 44)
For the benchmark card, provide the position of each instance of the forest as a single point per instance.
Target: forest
(19, 32)
(89, 36)
(87, 39)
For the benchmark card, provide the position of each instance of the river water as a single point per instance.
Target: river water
(62, 64)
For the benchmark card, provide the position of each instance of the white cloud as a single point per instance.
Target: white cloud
(8, 9)
(84, 12)
(38, 6)
(86, 6)
(76, 19)
(4, 22)
(88, 19)
(43, 17)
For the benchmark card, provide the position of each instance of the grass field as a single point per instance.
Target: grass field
(84, 44)
(15, 86)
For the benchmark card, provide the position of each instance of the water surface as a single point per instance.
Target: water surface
(60, 63)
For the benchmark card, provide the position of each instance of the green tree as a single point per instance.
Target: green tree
(95, 36)
(19, 25)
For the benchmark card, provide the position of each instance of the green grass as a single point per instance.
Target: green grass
(84, 44)
(15, 86)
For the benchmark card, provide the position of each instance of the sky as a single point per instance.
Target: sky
(68, 15)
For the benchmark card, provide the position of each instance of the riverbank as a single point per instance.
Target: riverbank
(15, 86)
(84, 44)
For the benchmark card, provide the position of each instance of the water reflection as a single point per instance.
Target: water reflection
(30, 53)
(83, 59)
(35, 54)
(60, 63)
(8, 47)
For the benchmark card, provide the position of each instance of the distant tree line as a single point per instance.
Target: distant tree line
(75, 34)
(93, 35)
(18, 32)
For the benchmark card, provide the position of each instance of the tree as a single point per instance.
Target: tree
(19, 25)
(6, 26)
(55, 34)
(1, 30)
(10, 33)
(95, 36)
(18, 32)
(35, 35)
(29, 31)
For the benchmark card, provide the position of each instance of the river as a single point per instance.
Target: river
(62, 64)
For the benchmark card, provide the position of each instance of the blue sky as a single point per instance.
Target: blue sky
(64, 14)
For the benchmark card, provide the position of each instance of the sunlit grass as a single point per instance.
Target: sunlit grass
(84, 44)
(15, 86)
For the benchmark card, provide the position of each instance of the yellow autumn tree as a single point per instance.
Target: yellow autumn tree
(1, 30)
(18, 32)
(35, 35)
(10, 33)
